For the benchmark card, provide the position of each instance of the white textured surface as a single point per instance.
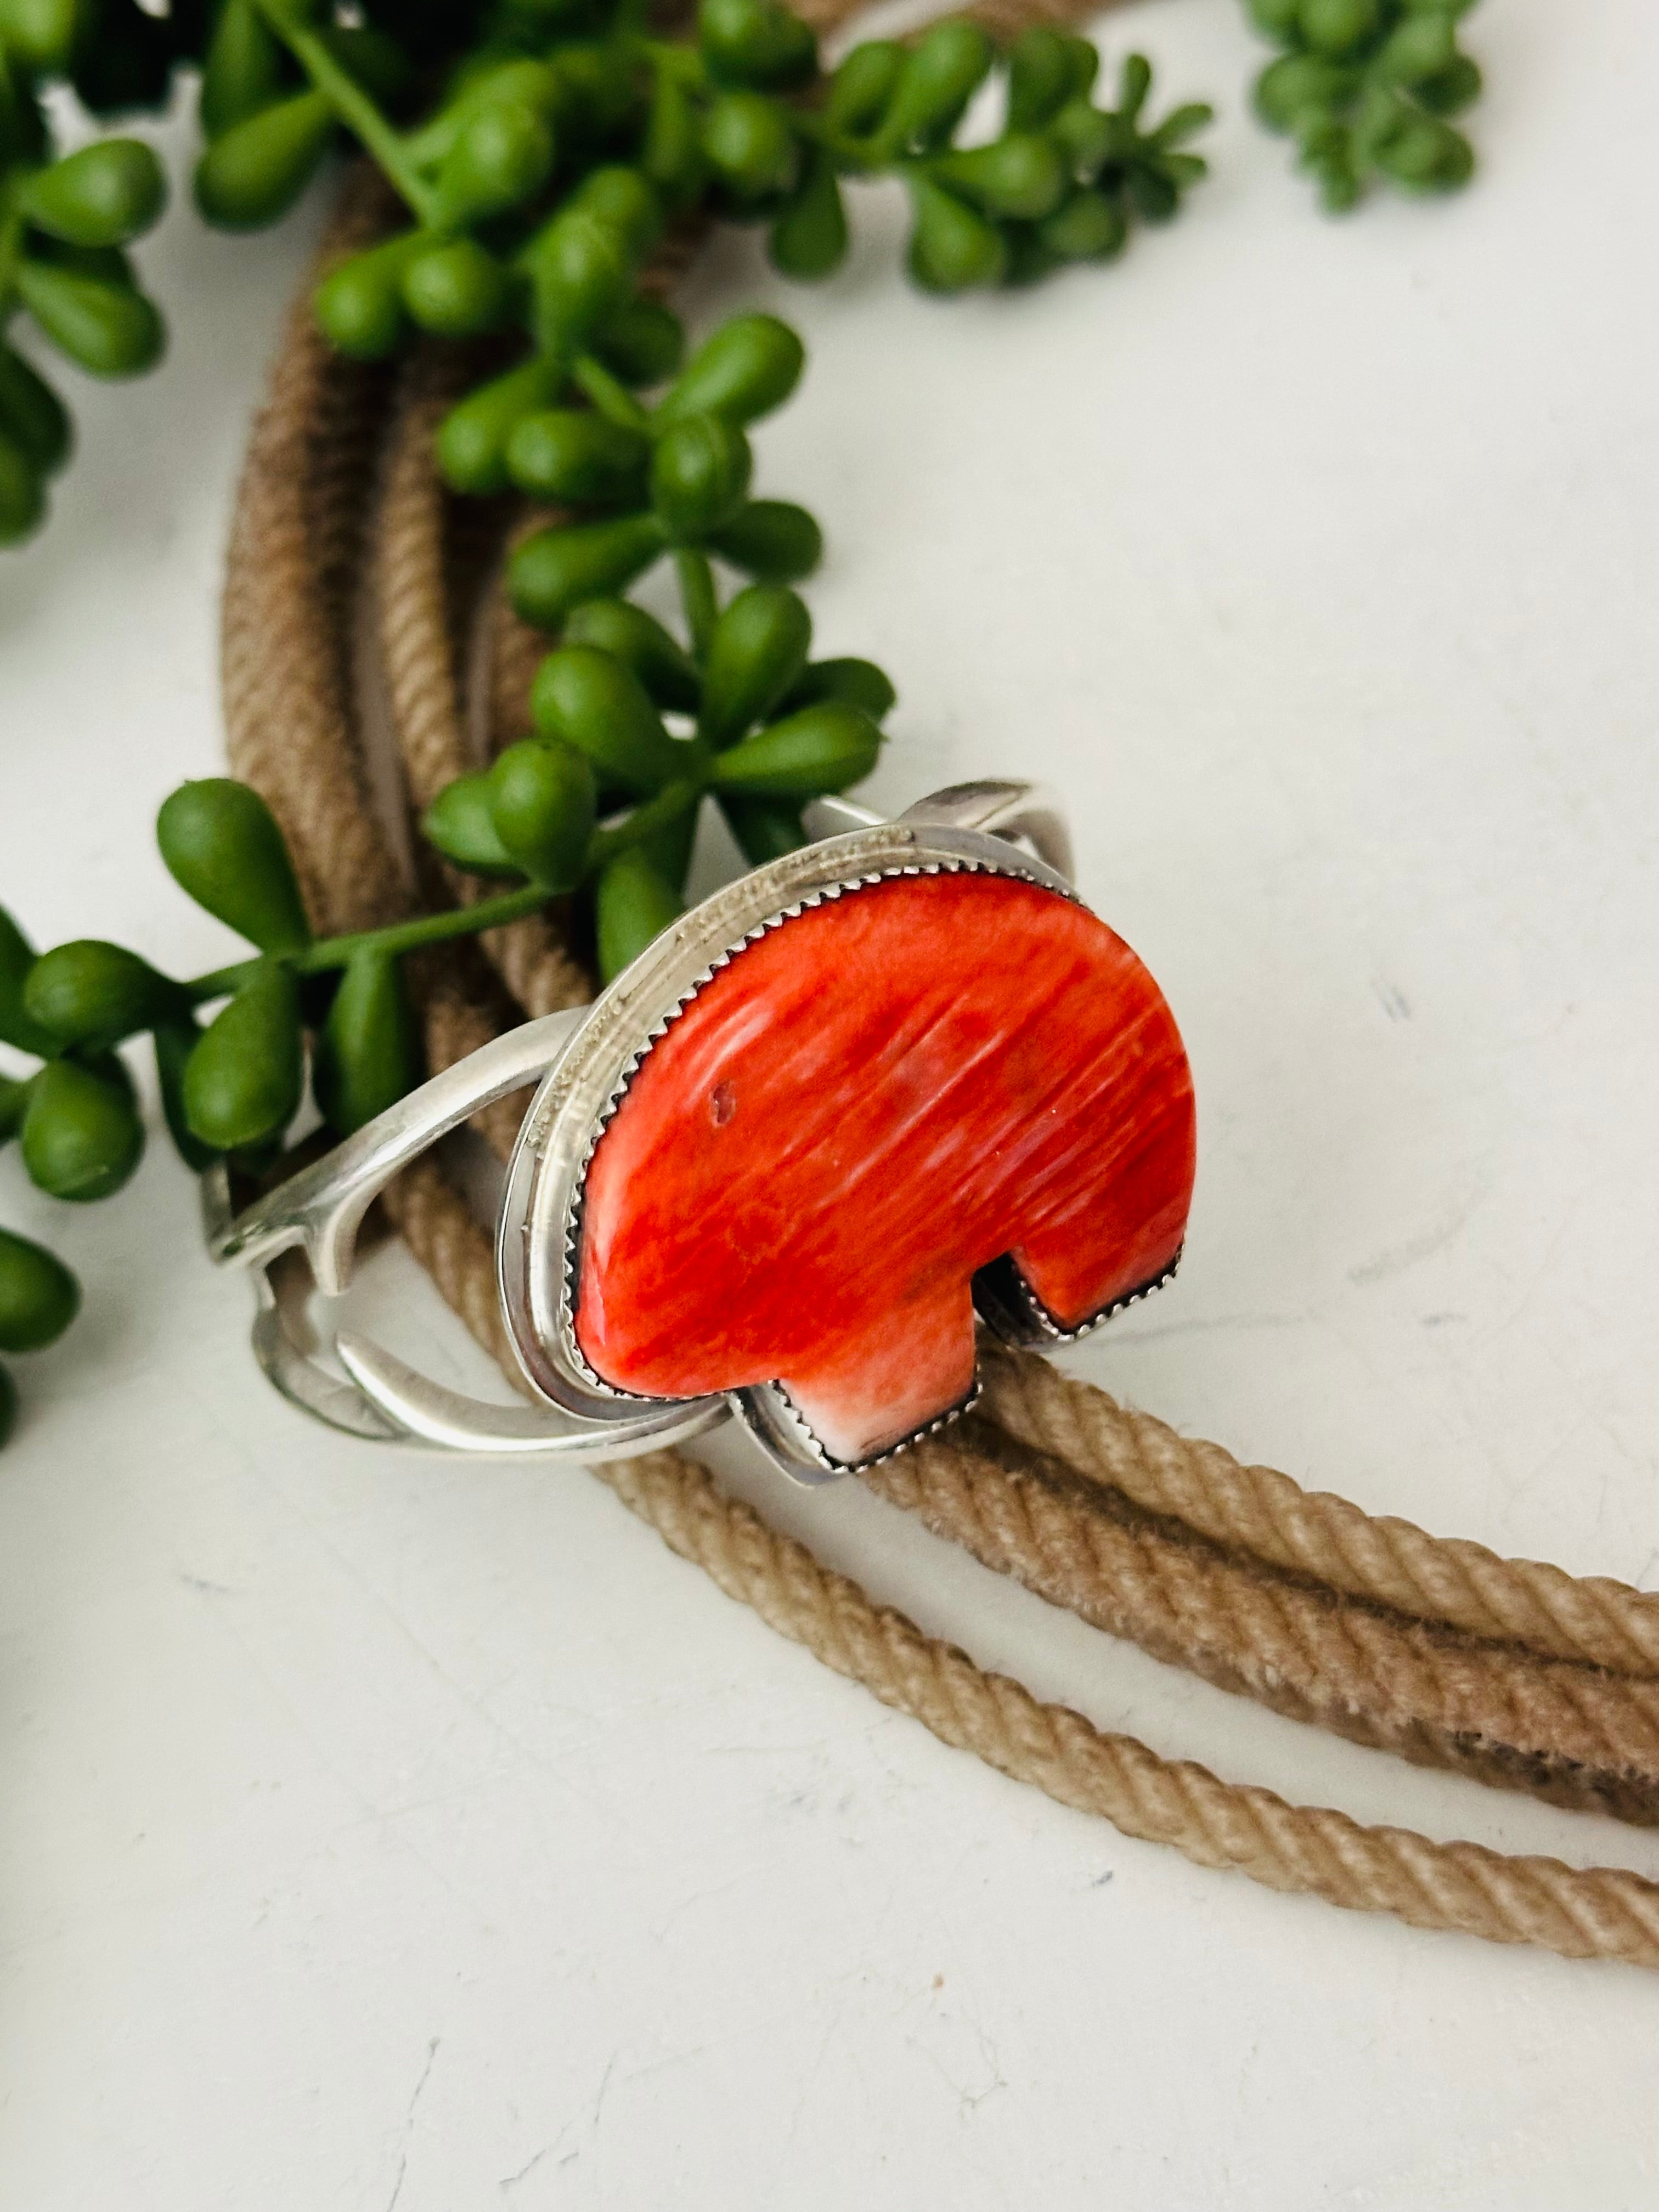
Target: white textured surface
(383, 1834)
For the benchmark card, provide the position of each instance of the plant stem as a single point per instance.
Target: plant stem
(697, 596)
(400, 937)
(612, 399)
(353, 107)
(656, 813)
(860, 156)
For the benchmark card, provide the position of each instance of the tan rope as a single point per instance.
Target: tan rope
(284, 635)
(418, 657)
(1604, 1913)
(1438, 1650)
(1567, 1733)
(1258, 1510)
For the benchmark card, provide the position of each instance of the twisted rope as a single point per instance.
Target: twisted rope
(290, 573)
(1256, 1510)
(419, 658)
(1440, 1651)
(1605, 1913)
(1568, 1733)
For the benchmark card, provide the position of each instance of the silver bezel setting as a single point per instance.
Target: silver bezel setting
(538, 1245)
(1005, 1302)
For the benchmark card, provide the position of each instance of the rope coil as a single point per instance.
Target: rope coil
(1513, 1672)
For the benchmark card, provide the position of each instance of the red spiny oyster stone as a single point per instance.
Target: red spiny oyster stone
(866, 1106)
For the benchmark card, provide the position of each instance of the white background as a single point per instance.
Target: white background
(387, 1834)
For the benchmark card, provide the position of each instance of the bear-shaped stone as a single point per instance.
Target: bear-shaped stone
(861, 1110)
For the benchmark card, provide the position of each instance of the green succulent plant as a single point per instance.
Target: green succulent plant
(542, 151)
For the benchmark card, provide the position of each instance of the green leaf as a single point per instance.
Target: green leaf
(557, 570)
(748, 367)
(359, 305)
(38, 1297)
(639, 642)
(765, 829)
(222, 845)
(576, 455)
(502, 155)
(17, 958)
(941, 74)
(1090, 227)
(952, 249)
(242, 1083)
(245, 68)
(1021, 177)
(593, 702)
(99, 322)
(22, 495)
(775, 542)
(756, 43)
(633, 904)
(473, 439)
(82, 1138)
(863, 86)
(581, 267)
(174, 1042)
(823, 748)
(256, 170)
(748, 143)
(700, 470)
(855, 682)
(543, 802)
(42, 35)
(755, 654)
(1039, 77)
(368, 1057)
(92, 993)
(460, 824)
(640, 343)
(105, 195)
(32, 415)
(458, 290)
(809, 238)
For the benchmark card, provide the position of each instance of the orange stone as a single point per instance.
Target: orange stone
(856, 1115)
